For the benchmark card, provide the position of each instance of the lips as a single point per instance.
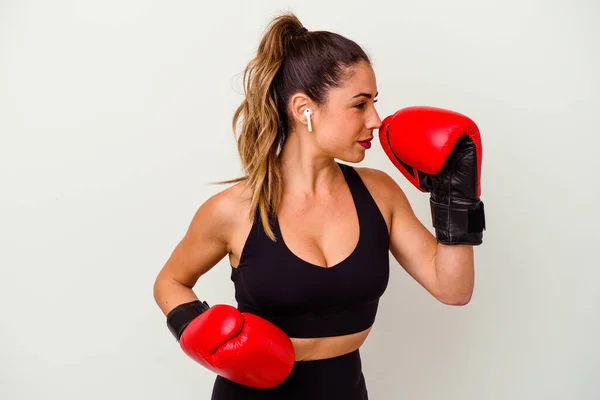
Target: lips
(366, 143)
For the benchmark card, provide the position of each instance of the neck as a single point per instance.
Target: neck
(306, 172)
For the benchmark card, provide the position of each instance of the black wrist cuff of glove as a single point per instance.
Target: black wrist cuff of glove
(179, 317)
(458, 224)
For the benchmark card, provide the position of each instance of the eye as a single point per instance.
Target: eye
(362, 105)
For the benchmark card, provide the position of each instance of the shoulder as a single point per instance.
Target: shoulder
(379, 183)
(231, 201)
(386, 192)
(224, 211)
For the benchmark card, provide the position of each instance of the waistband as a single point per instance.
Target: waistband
(326, 323)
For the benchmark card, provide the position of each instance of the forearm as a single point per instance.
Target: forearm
(455, 272)
(168, 294)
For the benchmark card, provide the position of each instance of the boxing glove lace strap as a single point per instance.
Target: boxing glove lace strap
(179, 317)
(456, 224)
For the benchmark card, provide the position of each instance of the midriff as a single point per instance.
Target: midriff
(307, 349)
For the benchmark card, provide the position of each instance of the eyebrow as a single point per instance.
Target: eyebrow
(365, 95)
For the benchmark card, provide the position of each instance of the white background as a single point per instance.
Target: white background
(115, 116)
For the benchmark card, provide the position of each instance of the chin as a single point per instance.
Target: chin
(351, 158)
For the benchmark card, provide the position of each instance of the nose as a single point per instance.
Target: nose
(374, 121)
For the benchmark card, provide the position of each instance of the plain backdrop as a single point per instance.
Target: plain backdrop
(115, 116)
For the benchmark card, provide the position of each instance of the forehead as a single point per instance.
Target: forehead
(360, 80)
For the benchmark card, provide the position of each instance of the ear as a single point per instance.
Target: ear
(298, 104)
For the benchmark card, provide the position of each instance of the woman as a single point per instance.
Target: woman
(307, 237)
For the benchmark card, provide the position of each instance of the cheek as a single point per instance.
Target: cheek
(343, 125)
(339, 131)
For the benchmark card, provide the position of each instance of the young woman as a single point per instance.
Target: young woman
(308, 238)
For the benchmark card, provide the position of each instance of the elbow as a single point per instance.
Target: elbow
(157, 291)
(457, 302)
(162, 288)
(456, 299)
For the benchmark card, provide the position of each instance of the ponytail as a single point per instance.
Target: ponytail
(288, 60)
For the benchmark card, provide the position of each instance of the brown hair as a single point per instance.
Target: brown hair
(289, 60)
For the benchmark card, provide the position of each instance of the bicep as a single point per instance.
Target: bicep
(204, 244)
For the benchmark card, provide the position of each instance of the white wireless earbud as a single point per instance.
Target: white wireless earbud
(307, 113)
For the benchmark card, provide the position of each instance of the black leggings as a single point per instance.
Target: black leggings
(333, 378)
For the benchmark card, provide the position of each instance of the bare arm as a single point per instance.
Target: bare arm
(447, 272)
(456, 272)
(204, 244)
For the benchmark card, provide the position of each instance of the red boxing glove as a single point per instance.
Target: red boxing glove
(241, 347)
(439, 152)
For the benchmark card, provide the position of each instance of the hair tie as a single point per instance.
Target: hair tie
(299, 31)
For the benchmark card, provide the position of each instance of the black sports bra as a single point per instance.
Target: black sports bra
(306, 300)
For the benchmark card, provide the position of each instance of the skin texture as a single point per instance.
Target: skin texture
(317, 210)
